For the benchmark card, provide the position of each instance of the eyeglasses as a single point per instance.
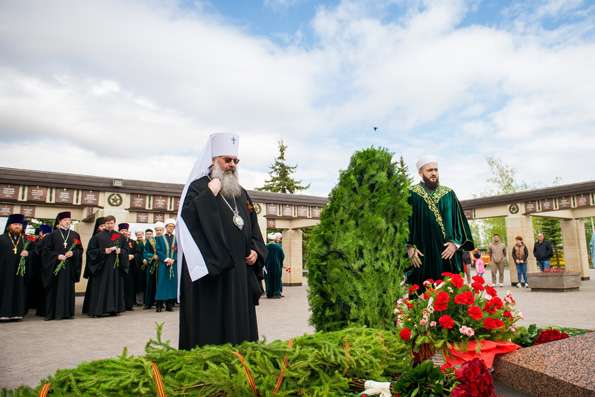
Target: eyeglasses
(231, 160)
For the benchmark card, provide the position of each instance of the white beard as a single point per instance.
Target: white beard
(230, 184)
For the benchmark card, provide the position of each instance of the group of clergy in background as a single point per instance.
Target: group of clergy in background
(40, 272)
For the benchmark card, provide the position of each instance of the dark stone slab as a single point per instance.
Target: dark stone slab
(563, 368)
(557, 282)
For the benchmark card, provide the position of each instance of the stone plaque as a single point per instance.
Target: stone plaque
(142, 217)
(530, 207)
(90, 198)
(303, 211)
(160, 202)
(272, 209)
(158, 217)
(138, 201)
(9, 192)
(176, 203)
(288, 210)
(583, 200)
(64, 196)
(36, 193)
(468, 214)
(547, 205)
(28, 211)
(316, 212)
(565, 202)
(6, 209)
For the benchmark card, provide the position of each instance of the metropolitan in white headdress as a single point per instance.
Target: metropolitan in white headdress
(221, 252)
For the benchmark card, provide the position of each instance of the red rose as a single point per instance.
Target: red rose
(475, 313)
(405, 334)
(494, 305)
(77, 242)
(457, 280)
(478, 279)
(441, 303)
(491, 291)
(413, 288)
(115, 236)
(492, 323)
(446, 321)
(464, 298)
(477, 286)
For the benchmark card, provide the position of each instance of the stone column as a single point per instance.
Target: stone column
(292, 247)
(519, 225)
(575, 246)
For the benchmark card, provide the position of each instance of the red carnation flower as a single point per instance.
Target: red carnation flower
(491, 291)
(507, 314)
(494, 305)
(549, 335)
(457, 280)
(475, 312)
(413, 288)
(427, 295)
(474, 380)
(478, 279)
(405, 334)
(115, 236)
(77, 242)
(441, 303)
(408, 303)
(446, 274)
(477, 286)
(492, 323)
(438, 282)
(464, 298)
(446, 321)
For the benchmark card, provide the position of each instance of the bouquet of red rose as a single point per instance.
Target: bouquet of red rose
(62, 263)
(116, 240)
(450, 314)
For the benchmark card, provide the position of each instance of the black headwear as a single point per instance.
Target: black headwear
(60, 216)
(15, 218)
(99, 221)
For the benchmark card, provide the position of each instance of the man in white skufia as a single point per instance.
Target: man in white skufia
(220, 249)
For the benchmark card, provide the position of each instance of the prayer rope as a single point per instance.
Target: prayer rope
(158, 380)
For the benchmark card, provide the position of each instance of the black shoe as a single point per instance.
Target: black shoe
(159, 310)
(169, 309)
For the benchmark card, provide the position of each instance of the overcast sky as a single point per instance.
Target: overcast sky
(132, 89)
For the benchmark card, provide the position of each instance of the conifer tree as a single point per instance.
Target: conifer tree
(281, 180)
(356, 254)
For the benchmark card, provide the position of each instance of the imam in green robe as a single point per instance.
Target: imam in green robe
(437, 218)
(274, 268)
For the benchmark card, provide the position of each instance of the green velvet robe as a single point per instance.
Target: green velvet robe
(437, 218)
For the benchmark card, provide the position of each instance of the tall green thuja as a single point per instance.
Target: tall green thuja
(356, 255)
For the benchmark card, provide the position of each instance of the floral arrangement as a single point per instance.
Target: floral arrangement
(474, 380)
(554, 270)
(116, 240)
(448, 313)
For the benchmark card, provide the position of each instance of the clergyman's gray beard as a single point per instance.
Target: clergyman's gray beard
(230, 184)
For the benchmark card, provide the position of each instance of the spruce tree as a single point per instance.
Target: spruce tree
(550, 227)
(281, 180)
(356, 254)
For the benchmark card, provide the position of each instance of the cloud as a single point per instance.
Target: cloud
(137, 86)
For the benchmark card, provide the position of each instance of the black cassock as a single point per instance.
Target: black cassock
(35, 289)
(106, 295)
(140, 278)
(91, 247)
(220, 307)
(13, 292)
(59, 284)
(130, 276)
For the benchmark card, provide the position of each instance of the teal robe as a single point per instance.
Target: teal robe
(274, 268)
(437, 218)
(167, 276)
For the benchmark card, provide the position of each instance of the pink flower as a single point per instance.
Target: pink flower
(468, 331)
(423, 322)
(432, 323)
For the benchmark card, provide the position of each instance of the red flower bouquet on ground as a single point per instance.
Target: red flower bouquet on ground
(549, 335)
(450, 315)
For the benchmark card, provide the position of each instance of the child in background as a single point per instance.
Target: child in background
(479, 264)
